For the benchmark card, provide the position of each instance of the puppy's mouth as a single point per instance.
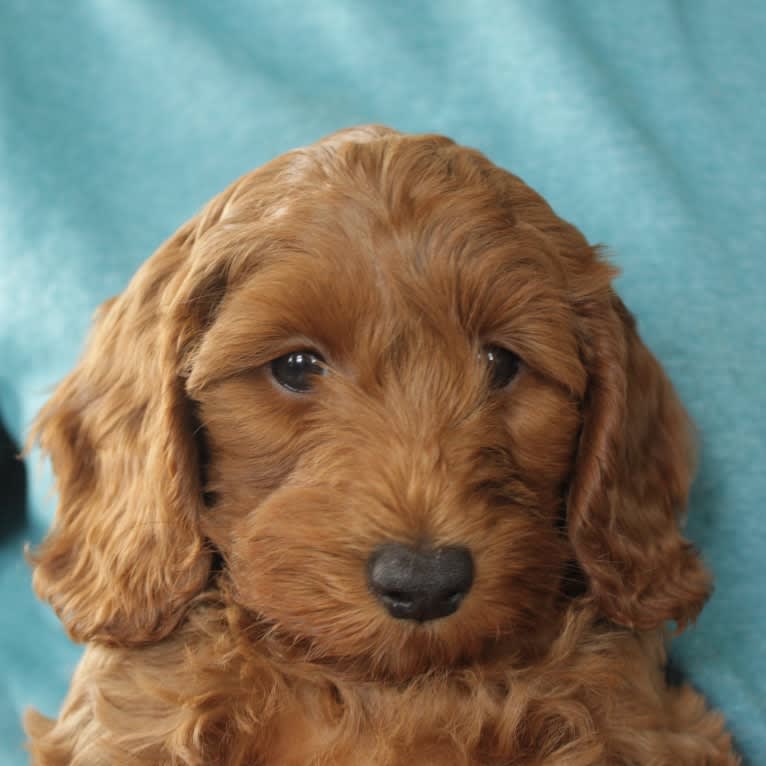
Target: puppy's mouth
(356, 592)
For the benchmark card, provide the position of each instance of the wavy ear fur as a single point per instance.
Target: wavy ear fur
(124, 555)
(632, 481)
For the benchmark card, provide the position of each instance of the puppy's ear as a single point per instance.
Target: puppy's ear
(632, 479)
(125, 555)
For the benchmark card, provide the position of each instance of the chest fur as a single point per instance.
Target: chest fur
(483, 724)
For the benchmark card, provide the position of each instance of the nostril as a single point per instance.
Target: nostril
(397, 595)
(419, 584)
(402, 608)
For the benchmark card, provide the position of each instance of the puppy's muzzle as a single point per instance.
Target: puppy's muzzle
(420, 584)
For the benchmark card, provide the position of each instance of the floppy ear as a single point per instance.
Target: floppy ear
(632, 480)
(125, 555)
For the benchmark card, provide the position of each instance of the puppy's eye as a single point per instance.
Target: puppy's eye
(503, 365)
(296, 371)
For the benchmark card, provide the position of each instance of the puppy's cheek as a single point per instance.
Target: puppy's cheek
(296, 562)
(518, 576)
(253, 438)
(543, 427)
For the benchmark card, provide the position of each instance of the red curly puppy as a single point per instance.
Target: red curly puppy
(369, 465)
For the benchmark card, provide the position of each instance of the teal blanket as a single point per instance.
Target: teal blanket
(642, 122)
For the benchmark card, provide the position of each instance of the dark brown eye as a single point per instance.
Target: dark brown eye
(297, 370)
(503, 365)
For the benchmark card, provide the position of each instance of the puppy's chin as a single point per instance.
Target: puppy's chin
(288, 564)
(406, 651)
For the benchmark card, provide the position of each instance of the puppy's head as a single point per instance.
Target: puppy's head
(396, 393)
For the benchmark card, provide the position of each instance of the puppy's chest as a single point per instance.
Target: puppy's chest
(385, 728)
(304, 742)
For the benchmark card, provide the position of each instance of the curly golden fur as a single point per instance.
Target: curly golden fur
(214, 529)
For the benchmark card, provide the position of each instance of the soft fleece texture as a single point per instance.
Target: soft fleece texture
(643, 123)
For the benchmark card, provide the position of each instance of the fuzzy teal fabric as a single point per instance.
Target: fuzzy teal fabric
(641, 122)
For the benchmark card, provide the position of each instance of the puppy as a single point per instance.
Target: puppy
(369, 466)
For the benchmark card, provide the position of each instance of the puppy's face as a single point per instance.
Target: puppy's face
(392, 403)
(420, 401)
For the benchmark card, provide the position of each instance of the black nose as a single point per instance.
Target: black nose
(420, 584)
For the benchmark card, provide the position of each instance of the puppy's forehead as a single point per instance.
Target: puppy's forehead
(416, 215)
